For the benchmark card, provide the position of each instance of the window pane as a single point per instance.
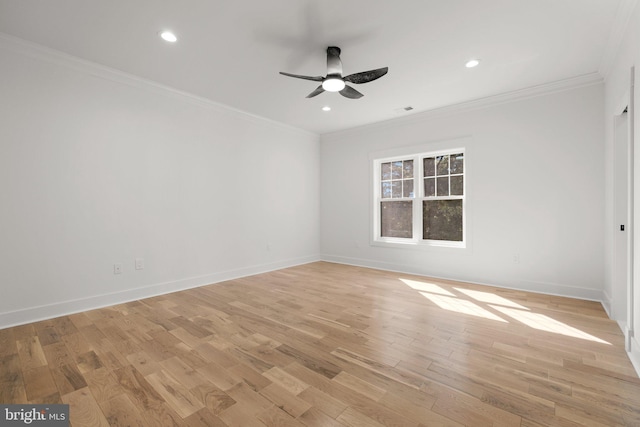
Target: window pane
(386, 171)
(429, 187)
(396, 219)
(396, 189)
(396, 170)
(386, 190)
(457, 163)
(442, 165)
(442, 220)
(408, 168)
(443, 186)
(407, 188)
(457, 185)
(429, 166)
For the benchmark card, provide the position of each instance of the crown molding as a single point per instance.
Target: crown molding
(616, 36)
(577, 82)
(43, 53)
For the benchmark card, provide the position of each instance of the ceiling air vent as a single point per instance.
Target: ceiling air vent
(403, 109)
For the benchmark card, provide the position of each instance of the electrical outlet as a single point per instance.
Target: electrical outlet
(117, 268)
(139, 264)
(516, 258)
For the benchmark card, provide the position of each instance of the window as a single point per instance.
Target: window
(420, 199)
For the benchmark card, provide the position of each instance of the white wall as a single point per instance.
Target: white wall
(617, 94)
(98, 168)
(535, 184)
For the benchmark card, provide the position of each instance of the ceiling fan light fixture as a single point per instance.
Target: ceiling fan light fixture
(333, 84)
(326, 108)
(472, 63)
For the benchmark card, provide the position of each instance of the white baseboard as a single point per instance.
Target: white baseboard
(538, 287)
(34, 314)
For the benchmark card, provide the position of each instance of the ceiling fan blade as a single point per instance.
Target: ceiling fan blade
(366, 76)
(297, 76)
(334, 65)
(349, 92)
(318, 91)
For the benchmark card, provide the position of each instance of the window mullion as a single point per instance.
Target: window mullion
(417, 199)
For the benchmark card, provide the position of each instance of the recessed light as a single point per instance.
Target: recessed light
(326, 108)
(168, 36)
(472, 63)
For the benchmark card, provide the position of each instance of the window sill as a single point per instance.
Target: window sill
(433, 245)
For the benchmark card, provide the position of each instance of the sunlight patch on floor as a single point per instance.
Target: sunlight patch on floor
(490, 298)
(449, 301)
(546, 323)
(461, 306)
(427, 287)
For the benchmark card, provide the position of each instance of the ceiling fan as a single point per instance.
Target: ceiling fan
(334, 82)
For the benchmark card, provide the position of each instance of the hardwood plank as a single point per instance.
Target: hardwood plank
(252, 401)
(8, 345)
(143, 363)
(103, 384)
(250, 376)
(204, 418)
(120, 411)
(77, 344)
(241, 415)
(276, 417)
(48, 335)
(211, 353)
(80, 320)
(214, 399)
(12, 390)
(31, 352)
(285, 401)
(359, 386)
(219, 376)
(163, 416)
(182, 372)
(57, 355)
(54, 398)
(316, 418)
(142, 394)
(68, 378)
(288, 382)
(177, 396)
(64, 325)
(39, 383)
(323, 401)
(88, 361)
(417, 406)
(352, 418)
(24, 331)
(323, 367)
(10, 368)
(84, 410)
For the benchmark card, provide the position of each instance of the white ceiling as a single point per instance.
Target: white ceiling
(231, 51)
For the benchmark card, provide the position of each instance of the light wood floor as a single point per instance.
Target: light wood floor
(329, 345)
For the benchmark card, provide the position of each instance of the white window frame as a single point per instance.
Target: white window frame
(420, 153)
